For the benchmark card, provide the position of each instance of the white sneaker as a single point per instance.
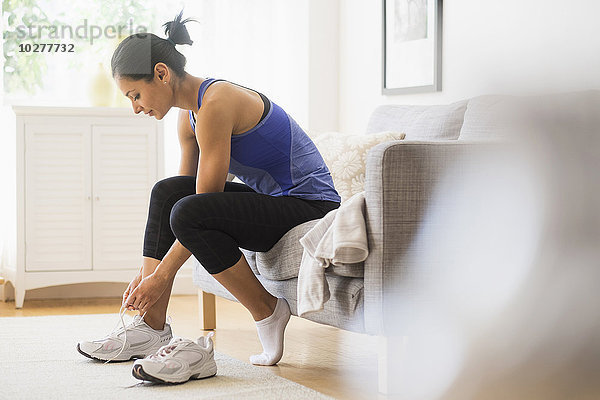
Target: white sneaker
(179, 361)
(140, 341)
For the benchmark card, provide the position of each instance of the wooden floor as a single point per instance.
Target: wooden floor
(332, 361)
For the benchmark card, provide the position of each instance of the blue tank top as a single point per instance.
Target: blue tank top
(277, 157)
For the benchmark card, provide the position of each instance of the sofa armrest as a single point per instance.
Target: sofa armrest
(400, 178)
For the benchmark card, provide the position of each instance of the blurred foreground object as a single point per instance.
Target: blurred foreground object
(513, 233)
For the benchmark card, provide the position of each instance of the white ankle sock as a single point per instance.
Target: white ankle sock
(270, 333)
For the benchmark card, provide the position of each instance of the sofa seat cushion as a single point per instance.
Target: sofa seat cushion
(345, 308)
(251, 258)
(419, 122)
(282, 261)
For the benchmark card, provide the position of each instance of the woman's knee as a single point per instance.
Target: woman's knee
(166, 187)
(183, 214)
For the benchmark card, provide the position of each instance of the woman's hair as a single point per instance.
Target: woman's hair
(136, 55)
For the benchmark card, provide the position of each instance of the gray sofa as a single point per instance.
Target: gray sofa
(400, 176)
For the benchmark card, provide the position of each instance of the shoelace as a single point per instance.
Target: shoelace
(168, 349)
(115, 334)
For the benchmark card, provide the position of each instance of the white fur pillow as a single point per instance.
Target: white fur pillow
(346, 157)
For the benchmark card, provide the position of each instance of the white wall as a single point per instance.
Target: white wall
(323, 65)
(262, 44)
(509, 46)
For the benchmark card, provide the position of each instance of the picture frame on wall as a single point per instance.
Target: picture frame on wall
(412, 46)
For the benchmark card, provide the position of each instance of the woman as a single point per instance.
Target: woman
(222, 127)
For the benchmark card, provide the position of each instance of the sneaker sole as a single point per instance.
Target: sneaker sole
(139, 373)
(104, 360)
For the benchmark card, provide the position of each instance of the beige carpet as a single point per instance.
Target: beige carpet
(39, 360)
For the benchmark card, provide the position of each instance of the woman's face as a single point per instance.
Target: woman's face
(152, 98)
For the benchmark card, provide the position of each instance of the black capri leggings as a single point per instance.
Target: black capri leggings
(213, 226)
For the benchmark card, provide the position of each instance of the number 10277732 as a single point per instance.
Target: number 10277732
(46, 48)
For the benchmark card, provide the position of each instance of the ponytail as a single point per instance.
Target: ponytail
(176, 31)
(135, 57)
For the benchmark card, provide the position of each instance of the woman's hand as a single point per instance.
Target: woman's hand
(147, 292)
(132, 285)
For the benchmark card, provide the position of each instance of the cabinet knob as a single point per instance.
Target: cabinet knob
(89, 197)
(97, 197)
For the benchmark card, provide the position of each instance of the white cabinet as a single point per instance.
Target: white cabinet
(124, 169)
(56, 186)
(83, 181)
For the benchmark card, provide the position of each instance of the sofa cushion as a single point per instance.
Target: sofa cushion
(346, 157)
(282, 261)
(490, 117)
(251, 258)
(344, 309)
(509, 117)
(419, 122)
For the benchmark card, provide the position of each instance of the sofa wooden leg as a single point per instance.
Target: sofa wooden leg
(208, 310)
(390, 354)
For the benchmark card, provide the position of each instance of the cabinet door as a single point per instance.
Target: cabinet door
(58, 207)
(124, 171)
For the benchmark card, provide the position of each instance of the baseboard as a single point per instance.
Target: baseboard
(182, 285)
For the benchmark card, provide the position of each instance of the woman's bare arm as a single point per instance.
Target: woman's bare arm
(213, 133)
(190, 151)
